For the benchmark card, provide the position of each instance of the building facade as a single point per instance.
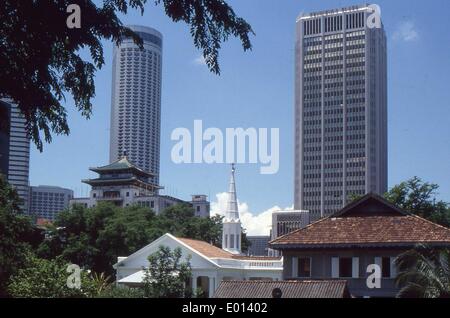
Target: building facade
(367, 233)
(285, 222)
(201, 205)
(5, 112)
(15, 150)
(47, 201)
(340, 109)
(136, 101)
(259, 245)
(124, 184)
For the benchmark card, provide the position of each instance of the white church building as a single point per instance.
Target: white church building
(209, 264)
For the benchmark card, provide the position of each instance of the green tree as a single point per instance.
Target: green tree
(41, 59)
(43, 278)
(180, 220)
(424, 273)
(114, 291)
(167, 274)
(419, 198)
(93, 238)
(16, 234)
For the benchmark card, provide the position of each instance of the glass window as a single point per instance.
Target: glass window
(345, 267)
(304, 267)
(386, 267)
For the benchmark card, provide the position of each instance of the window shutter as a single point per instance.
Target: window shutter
(393, 268)
(355, 267)
(335, 267)
(294, 267)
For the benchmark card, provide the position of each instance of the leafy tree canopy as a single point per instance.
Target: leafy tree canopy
(43, 278)
(17, 234)
(40, 60)
(93, 238)
(418, 197)
(424, 272)
(167, 274)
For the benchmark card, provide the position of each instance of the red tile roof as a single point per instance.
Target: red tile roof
(362, 225)
(43, 222)
(206, 249)
(212, 251)
(289, 289)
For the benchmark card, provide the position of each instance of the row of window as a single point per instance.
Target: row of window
(341, 267)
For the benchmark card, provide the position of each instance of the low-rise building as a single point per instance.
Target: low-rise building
(370, 231)
(210, 264)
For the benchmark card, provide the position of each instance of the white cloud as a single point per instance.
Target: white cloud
(406, 31)
(199, 60)
(253, 223)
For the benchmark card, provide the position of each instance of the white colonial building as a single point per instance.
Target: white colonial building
(209, 264)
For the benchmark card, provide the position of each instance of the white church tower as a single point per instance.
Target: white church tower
(232, 230)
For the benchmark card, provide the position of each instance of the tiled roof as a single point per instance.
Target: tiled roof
(362, 225)
(212, 251)
(206, 249)
(289, 289)
(121, 164)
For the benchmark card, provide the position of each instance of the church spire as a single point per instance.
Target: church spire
(232, 230)
(232, 213)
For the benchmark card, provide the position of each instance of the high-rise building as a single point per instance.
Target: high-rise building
(5, 113)
(136, 101)
(340, 108)
(232, 228)
(15, 151)
(47, 201)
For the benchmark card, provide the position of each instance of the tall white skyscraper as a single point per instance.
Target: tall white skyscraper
(232, 228)
(15, 151)
(340, 108)
(136, 101)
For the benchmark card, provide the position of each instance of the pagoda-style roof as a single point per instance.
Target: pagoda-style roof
(121, 181)
(121, 165)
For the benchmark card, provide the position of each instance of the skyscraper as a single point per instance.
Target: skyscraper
(232, 229)
(136, 101)
(15, 151)
(340, 108)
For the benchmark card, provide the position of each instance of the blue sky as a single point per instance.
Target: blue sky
(256, 89)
